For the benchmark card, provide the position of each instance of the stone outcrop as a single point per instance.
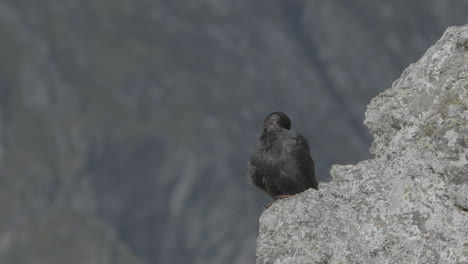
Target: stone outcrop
(407, 205)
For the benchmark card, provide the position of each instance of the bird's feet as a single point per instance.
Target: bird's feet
(283, 196)
(268, 205)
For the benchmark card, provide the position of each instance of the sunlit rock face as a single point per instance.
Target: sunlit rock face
(409, 204)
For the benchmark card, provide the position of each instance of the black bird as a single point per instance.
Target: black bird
(281, 164)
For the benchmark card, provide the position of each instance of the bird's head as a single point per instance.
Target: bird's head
(276, 120)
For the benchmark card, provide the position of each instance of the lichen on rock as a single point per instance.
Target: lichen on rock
(407, 205)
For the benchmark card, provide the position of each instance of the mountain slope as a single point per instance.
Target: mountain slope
(137, 117)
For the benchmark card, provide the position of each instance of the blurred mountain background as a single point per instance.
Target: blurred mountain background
(126, 126)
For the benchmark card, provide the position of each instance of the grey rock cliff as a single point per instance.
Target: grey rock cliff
(407, 205)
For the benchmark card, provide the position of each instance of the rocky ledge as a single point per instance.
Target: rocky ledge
(407, 205)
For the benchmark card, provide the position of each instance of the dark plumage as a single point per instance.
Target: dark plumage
(281, 164)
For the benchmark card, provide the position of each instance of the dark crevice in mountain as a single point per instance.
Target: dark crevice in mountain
(361, 13)
(365, 22)
(127, 177)
(293, 12)
(5, 98)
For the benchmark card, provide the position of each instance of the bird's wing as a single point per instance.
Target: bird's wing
(254, 175)
(301, 153)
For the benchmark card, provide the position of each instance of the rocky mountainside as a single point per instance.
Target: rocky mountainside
(410, 203)
(125, 125)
